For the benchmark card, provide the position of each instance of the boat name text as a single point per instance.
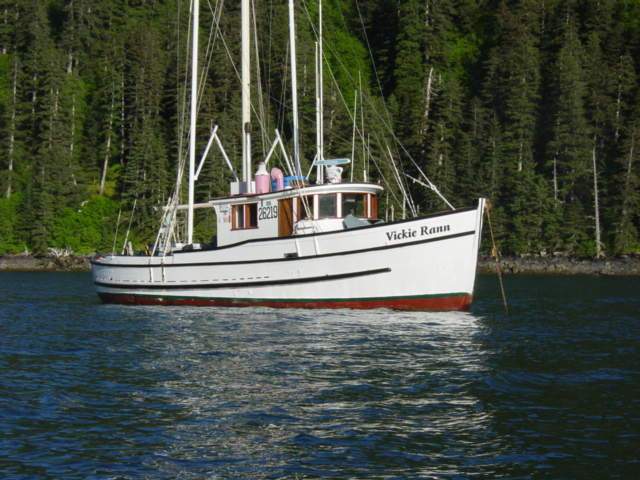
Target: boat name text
(409, 233)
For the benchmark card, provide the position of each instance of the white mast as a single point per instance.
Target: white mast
(246, 96)
(294, 89)
(194, 105)
(319, 101)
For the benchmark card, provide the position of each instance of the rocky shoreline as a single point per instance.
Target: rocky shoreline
(629, 265)
(560, 265)
(28, 263)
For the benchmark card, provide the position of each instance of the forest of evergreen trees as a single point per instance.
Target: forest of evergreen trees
(534, 104)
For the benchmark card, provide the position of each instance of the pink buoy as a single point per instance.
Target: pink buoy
(278, 179)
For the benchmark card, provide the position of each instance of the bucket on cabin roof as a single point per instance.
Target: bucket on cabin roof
(263, 183)
(277, 180)
(334, 174)
(291, 181)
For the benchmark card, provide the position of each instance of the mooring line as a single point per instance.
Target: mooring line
(496, 255)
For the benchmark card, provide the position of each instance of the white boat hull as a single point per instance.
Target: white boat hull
(426, 263)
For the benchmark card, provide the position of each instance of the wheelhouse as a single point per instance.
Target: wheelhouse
(295, 211)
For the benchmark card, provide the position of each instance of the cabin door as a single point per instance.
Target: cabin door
(285, 217)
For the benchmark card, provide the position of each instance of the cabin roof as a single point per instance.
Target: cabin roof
(289, 193)
(295, 192)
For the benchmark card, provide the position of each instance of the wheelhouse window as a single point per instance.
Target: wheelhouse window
(304, 207)
(328, 206)
(354, 204)
(244, 216)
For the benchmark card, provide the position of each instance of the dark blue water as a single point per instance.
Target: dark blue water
(95, 391)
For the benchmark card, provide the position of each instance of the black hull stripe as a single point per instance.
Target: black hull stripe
(267, 283)
(285, 259)
(272, 239)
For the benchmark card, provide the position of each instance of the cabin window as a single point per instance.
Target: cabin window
(251, 215)
(354, 204)
(327, 206)
(304, 207)
(244, 216)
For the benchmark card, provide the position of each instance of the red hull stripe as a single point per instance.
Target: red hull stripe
(442, 302)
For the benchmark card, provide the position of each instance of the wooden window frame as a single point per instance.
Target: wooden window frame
(246, 216)
(374, 206)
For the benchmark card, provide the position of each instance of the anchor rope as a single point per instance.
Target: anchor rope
(495, 253)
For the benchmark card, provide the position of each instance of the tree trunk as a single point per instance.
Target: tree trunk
(72, 140)
(427, 103)
(12, 127)
(627, 179)
(122, 119)
(52, 116)
(520, 153)
(595, 201)
(627, 183)
(494, 167)
(5, 14)
(34, 94)
(555, 178)
(555, 172)
(107, 153)
(618, 104)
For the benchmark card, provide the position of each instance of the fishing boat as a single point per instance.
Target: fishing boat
(285, 242)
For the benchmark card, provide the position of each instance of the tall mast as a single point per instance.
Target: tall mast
(246, 96)
(294, 89)
(194, 105)
(320, 106)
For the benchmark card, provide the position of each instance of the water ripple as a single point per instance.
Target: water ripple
(104, 391)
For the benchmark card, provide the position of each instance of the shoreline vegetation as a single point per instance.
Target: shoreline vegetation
(532, 105)
(531, 265)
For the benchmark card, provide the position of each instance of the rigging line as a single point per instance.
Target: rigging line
(385, 122)
(181, 150)
(178, 50)
(216, 24)
(181, 126)
(335, 81)
(115, 236)
(263, 135)
(373, 63)
(283, 93)
(384, 179)
(404, 179)
(377, 76)
(401, 184)
(126, 238)
(228, 51)
(209, 57)
(269, 53)
(210, 50)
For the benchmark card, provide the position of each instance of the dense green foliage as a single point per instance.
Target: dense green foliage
(519, 101)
